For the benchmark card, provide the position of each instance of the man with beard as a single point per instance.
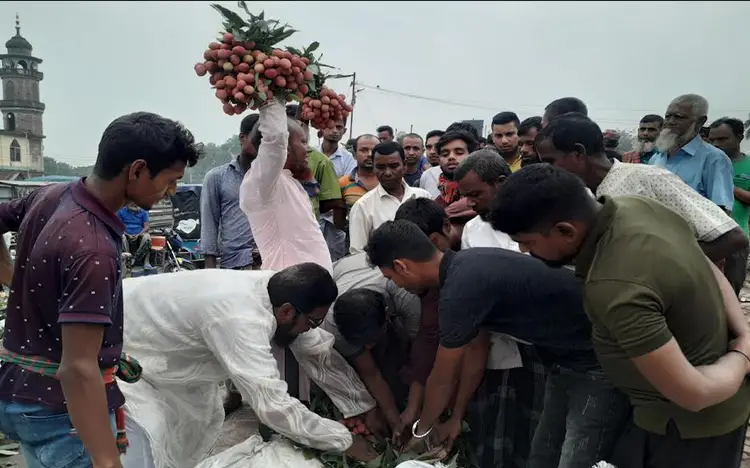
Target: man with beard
(611, 142)
(453, 147)
(505, 138)
(379, 205)
(273, 199)
(325, 194)
(682, 150)
(667, 327)
(575, 143)
(526, 133)
(562, 106)
(416, 162)
(323, 187)
(519, 381)
(225, 231)
(648, 131)
(193, 330)
(429, 179)
(362, 179)
(497, 290)
(278, 207)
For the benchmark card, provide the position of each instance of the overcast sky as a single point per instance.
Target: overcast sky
(624, 59)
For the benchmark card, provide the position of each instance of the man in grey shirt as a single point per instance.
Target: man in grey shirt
(225, 231)
(382, 357)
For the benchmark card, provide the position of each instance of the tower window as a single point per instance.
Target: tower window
(10, 122)
(15, 151)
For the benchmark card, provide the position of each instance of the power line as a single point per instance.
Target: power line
(536, 107)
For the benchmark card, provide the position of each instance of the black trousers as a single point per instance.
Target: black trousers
(641, 449)
(735, 269)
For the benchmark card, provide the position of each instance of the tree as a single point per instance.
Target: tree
(213, 155)
(627, 140)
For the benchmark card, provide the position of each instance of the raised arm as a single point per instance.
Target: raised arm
(633, 314)
(210, 218)
(251, 366)
(272, 154)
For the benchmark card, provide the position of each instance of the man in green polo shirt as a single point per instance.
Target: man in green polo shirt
(667, 327)
(727, 134)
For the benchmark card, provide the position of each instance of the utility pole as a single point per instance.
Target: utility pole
(354, 101)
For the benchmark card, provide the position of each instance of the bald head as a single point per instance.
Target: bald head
(697, 105)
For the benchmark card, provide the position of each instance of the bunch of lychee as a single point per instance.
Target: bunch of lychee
(243, 77)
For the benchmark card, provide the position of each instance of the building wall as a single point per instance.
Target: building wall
(29, 149)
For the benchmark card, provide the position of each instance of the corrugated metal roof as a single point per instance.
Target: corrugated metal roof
(27, 183)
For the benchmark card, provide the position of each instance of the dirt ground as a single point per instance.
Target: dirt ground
(237, 424)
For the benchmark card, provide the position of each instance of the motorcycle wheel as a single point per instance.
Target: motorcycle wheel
(172, 267)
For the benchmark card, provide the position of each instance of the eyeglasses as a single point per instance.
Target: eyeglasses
(313, 322)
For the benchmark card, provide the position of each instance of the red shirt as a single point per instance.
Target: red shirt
(68, 270)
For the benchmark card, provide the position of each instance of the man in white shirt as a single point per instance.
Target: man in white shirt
(380, 204)
(478, 177)
(193, 330)
(278, 207)
(575, 143)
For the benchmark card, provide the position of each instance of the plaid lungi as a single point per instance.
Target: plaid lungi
(505, 411)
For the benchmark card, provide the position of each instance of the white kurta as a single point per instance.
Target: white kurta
(193, 330)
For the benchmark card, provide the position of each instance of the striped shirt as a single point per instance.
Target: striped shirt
(351, 188)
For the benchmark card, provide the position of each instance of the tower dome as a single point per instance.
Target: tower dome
(18, 44)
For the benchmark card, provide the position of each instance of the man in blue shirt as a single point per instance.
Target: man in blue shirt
(225, 231)
(682, 151)
(136, 234)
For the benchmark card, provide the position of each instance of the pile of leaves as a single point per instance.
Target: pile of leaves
(461, 456)
(246, 68)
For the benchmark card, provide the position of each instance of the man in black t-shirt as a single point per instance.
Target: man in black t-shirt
(502, 291)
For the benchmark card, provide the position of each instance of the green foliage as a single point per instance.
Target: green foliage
(213, 155)
(265, 32)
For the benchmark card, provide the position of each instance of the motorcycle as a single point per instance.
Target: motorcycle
(169, 251)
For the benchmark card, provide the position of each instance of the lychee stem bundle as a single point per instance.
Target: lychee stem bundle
(245, 69)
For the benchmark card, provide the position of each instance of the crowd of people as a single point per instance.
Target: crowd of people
(570, 303)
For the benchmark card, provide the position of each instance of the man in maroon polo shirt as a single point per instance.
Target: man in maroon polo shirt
(65, 304)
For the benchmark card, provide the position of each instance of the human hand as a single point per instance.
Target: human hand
(417, 446)
(361, 449)
(742, 345)
(376, 424)
(6, 273)
(447, 432)
(407, 420)
(257, 261)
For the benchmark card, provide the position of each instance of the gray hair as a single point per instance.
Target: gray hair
(698, 104)
(488, 165)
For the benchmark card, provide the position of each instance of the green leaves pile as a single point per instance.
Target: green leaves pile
(462, 455)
